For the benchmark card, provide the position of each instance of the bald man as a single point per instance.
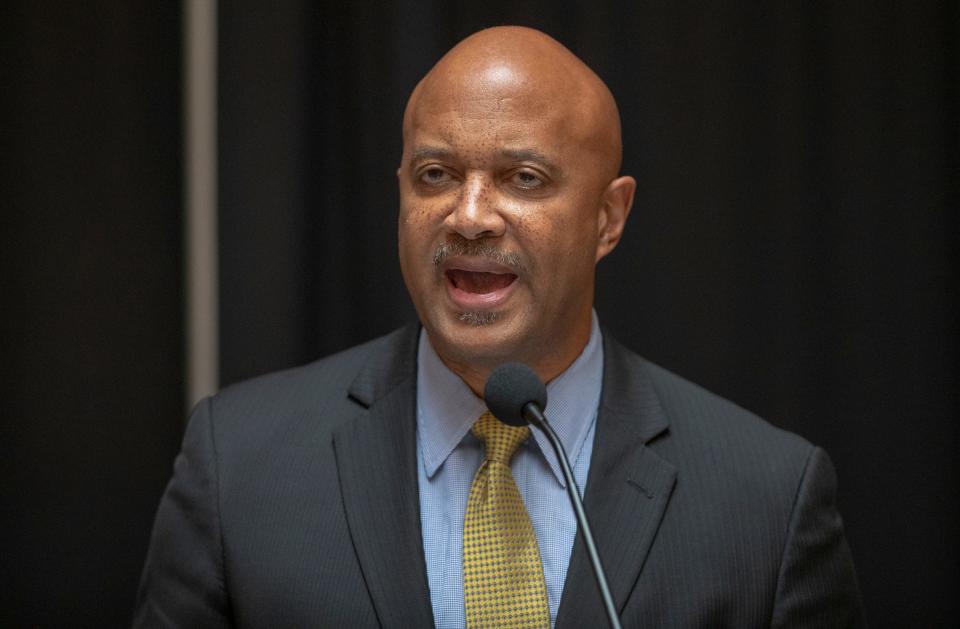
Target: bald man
(367, 489)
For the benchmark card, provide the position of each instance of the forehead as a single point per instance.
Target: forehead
(472, 135)
(482, 90)
(483, 118)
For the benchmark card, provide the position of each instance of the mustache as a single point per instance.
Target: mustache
(479, 248)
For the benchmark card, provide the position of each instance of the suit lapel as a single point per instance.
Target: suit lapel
(627, 491)
(376, 460)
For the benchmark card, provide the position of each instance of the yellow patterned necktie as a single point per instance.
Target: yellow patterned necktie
(503, 584)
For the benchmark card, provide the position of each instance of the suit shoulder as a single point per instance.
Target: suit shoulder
(695, 410)
(313, 387)
(720, 449)
(704, 431)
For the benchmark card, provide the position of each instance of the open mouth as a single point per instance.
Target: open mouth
(479, 282)
(473, 291)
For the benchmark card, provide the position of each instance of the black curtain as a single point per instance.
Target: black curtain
(91, 341)
(792, 245)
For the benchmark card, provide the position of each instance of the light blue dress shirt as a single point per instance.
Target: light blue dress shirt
(448, 456)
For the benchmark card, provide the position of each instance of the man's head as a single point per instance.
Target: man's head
(509, 196)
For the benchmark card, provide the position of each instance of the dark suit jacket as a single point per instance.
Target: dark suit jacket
(294, 504)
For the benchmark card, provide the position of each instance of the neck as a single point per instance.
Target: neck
(547, 363)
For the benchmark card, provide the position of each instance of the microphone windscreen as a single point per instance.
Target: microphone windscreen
(509, 389)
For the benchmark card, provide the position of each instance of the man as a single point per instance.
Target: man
(368, 488)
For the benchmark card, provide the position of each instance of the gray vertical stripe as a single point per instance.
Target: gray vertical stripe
(200, 197)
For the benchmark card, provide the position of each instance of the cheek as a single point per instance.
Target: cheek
(553, 228)
(408, 226)
(421, 210)
(417, 229)
(561, 241)
(414, 222)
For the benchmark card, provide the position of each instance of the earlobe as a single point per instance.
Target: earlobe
(617, 202)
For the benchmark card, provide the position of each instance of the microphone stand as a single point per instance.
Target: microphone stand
(535, 416)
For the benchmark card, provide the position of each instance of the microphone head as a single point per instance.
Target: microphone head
(509, 389)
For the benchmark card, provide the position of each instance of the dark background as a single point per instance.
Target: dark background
(793, 247)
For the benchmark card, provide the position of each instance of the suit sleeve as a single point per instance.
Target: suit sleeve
(817, 584)
(182, 583)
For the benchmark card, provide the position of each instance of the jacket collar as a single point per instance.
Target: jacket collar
(627, 491)
(376, 460)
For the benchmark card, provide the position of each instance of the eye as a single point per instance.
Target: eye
(526, 179)
(434, 176)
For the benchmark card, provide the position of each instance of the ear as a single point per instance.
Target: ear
(617, 200)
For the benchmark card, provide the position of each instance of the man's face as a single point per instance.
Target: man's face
(499, 222)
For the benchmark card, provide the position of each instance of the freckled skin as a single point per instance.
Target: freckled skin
(512, 140)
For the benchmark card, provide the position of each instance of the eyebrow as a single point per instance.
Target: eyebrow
(527, 155)
(518, 155)
(430, 152)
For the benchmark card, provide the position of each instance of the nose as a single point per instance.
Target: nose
(476, 215)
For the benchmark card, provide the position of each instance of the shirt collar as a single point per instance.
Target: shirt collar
(447, 408)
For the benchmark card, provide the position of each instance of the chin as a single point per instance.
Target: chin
(480, 318)
(484, 336)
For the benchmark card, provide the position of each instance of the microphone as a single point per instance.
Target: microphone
(516, 396)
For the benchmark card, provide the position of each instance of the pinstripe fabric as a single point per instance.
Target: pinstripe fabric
(747, 534)
(294, 503)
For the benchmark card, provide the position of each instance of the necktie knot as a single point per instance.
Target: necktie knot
(502, 440)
